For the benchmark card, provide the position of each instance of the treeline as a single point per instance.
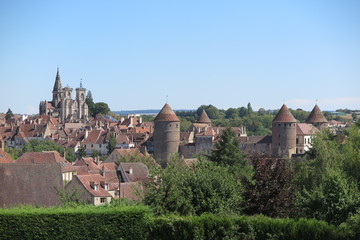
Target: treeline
(256, 122)
(138, 222)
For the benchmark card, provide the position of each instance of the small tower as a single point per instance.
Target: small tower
(166, 135)
(82, 111)
(57, 90)
(204, 119)
(284, 133)
(317, 118)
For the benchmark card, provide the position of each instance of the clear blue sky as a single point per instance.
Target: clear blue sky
(131, 54)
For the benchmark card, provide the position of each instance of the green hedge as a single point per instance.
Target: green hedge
(138, 222)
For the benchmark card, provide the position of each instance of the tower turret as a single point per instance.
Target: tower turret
(82, 110)
(317, 118)
(204, 119)
(284, 133)
(166, 135)
(57, 90)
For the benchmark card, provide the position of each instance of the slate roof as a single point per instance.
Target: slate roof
(166, 115)
(284, 115)
(316, 116)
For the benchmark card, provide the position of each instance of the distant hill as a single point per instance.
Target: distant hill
(146, 112)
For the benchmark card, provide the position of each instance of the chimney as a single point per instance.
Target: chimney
(102, 171)
(86, 134)
(2, 145)
(131, 171)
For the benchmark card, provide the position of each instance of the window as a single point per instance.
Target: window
(102, 200)
(169, 125)
(279, 124)
(177, 125)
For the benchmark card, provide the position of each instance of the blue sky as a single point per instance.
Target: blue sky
(131, 54)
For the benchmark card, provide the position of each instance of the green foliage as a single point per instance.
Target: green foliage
(227, 150)
(70, 154)
(9, 114)
(90, 102)
(184, 124)
(112, 144)
(203, 187)
(95, 154)
(15, 153)
(328, 179)
(36, 145)
(145, 159)
(138, 222)
(270, 191)
(81, 152)
(100, 108)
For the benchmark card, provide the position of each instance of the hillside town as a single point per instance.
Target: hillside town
(98, 176)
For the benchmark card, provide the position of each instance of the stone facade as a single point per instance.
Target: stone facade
(63, 106)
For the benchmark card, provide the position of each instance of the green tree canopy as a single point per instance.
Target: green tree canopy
(90, 102)
(101, 108)
(202, 188)
(112, 143)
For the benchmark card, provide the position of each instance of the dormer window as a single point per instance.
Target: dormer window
(96, 187)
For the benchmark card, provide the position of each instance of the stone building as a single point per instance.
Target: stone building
(166, 135)
(63, 106)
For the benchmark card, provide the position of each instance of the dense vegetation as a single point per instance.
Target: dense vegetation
(138, 222)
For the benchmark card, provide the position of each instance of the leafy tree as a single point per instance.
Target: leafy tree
(15, 153)
(243, 112)
(81, 152)
(112, 143)
(90, 102)
(232, 113)
(101, 108)
(145, 159)
(249, 109)
(270, 190)
(70, 154)
(9, 114)
(184, 124)
(333, 200)
(212, 111)
(36, 145)
(227, 150)
(95, 154)
(202, 188)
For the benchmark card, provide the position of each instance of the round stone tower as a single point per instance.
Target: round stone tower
(284, 133)
(166, 135)
(317, 118)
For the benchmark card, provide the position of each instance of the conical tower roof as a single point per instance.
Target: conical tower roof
(204, 118)
(284, 115)
(316, 116)
(57, 85)
(166, 115)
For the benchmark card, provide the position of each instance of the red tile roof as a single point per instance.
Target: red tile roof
(284, 115)
(166, 115)
(5, 157)
(134, 171)
(204, 118)
(305, 129)
(316, 116)
(85, 180)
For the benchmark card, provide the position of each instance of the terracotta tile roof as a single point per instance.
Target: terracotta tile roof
(166, 115)
(133, 172)
(122, 139)
(128, 151)
(284, 115)
(316, 116)
(95, 137)
(33, 184)
(131, 190)
(86, 166)
(86, 180)
(204, 118)
(306, 129)
(46, 157)
(5, 157)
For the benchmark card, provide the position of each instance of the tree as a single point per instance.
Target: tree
(243, 112)
(9, 114)
(36, 145)
(202, 188)
(270, 190)
(100, 108)
(249, 109)
(227, 150)
(232, 113)
(81, 152)
(90, 102)
(112, 143)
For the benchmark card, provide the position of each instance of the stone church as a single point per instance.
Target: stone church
(63, 106)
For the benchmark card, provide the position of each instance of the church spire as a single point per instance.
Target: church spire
(57, 85)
